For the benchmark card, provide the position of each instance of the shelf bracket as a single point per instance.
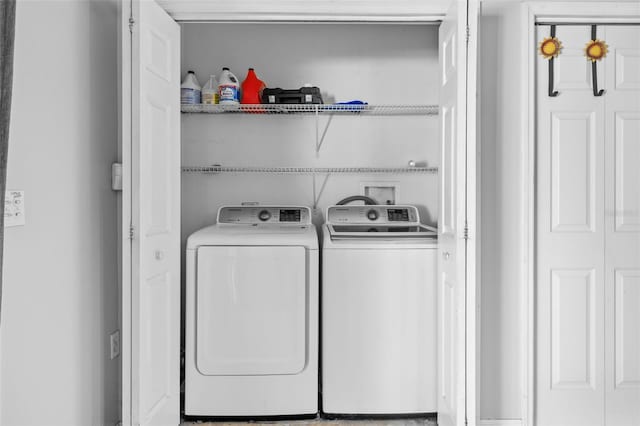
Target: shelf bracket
(318, 194)
(320, 138)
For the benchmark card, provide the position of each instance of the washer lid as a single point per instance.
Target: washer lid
(381, 231)
(377, 222)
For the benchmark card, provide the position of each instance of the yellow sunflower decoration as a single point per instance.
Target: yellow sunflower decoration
(595, 50)
(550, 47)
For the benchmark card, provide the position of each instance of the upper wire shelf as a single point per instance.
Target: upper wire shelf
(323, 109)
(215, 169)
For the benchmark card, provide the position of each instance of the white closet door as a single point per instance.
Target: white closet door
(570, 238)
(151, 281)
(588, 234)
(622, 225)
(456, 397)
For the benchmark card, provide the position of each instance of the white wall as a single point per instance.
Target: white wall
(380, 64)
(60, 298)
(502, 227)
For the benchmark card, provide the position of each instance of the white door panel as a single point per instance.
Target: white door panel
(573, 72)
(573, 171)
(573, 326)
(627, 172)
(627, 348)
(151, 321)
(627, 68)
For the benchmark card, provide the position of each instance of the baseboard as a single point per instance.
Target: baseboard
(500, 422)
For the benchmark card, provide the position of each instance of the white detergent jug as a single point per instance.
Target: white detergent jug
(210, 91)
(190, 90)
(228, 88)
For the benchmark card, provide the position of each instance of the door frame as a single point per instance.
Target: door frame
(282, 11)
(532, 12)
(125, 89)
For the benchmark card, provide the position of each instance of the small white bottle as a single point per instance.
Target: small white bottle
(228, 88)
(210, 91)
(190, 90)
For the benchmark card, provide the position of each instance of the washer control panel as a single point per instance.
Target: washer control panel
(373, 214)
(294, 215)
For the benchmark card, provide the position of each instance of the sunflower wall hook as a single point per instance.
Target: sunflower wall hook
(550, 48)
(595, 50)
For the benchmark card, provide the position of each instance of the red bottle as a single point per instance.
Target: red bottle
(252, 88)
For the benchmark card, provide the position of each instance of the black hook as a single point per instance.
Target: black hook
(594, 68)
(552, 93)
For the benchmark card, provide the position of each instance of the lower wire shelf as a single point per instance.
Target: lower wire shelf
(216, 169)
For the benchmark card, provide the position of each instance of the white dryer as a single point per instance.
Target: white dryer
(379, 312)
(252, 314)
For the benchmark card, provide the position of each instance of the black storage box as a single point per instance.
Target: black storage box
(303, 95)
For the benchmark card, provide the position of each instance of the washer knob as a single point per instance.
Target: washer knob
(372, 214)
(264, 215)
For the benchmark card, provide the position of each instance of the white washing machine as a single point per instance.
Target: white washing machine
(252, 314)
(379, 312)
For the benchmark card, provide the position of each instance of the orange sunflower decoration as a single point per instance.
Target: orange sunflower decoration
(595, 50)
(550, 47)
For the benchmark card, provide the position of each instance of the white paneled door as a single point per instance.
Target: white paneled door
(151, 281)
(588, 232)
(456, 392)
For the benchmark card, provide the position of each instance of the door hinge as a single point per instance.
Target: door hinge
(467, 34)
(131, 23)
(131, 232)
(466, 230)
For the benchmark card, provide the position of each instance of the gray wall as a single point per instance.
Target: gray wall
(60, 270)
(500, 129)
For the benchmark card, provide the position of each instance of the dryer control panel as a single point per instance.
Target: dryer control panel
(294, 215)
(373, 214)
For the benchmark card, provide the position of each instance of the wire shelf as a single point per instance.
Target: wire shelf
(323, 109)
(215, 169)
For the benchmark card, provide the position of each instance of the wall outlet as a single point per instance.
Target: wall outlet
(382, 192)
(14, 208)
(114, 340)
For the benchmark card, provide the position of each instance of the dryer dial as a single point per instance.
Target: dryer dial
(264, 215)
(372, 214)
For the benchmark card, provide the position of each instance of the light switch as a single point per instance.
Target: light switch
(14, 208)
